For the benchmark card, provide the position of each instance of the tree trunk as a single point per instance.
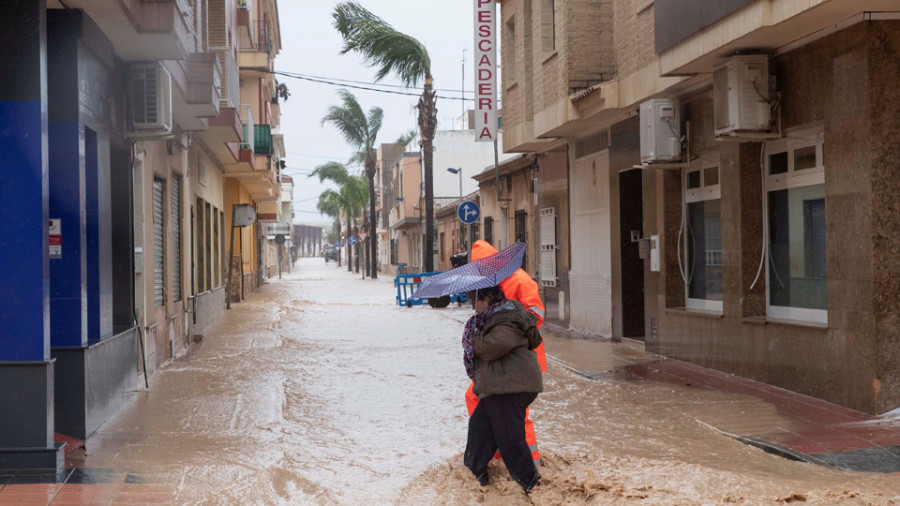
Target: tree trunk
(427, 126)
(347, 245)
(338, 223)
(373, 253)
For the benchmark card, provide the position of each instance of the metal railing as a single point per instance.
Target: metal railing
(260, 37)
(249, 141)
(231, 77)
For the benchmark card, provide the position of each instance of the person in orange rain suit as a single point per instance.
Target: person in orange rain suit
(522, 288)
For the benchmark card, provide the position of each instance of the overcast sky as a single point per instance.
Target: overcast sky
(311, 45)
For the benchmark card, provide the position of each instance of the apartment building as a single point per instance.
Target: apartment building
(127, 125)
(738, 251)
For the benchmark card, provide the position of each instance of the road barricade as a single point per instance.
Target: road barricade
(407, 284)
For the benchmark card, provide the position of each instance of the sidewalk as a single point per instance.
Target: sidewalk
(797, 427)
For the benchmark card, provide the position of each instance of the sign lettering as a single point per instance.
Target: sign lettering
(485, 70)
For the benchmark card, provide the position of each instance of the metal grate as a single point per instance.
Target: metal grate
(175, 229)
(159, 244)
(593, 144)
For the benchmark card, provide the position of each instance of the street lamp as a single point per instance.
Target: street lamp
(459, 171)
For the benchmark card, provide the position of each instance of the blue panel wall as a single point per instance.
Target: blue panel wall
(68, 302)
(25, 318)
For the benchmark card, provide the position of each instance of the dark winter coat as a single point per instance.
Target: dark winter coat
(504, 360)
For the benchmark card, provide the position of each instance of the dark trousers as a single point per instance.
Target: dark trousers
(498, 423)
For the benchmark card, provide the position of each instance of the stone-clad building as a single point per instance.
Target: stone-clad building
(770, 251)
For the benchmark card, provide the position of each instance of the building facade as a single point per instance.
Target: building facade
(126, 125)
(761, 250)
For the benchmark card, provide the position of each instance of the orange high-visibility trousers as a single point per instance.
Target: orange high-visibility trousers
(472, 402)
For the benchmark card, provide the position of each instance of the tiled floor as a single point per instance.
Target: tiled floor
(81, 486)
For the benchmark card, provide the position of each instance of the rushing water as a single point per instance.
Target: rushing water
(319, 389)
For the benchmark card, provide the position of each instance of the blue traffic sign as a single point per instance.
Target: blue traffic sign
(338, 244)
(352, 240)
(468, 212)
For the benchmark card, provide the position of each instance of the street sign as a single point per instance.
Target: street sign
(338, 245)
(279, 239)
(362, 236)
(352, 240)
(244, 215)
(468, 212)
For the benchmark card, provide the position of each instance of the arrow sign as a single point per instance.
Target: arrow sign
(352, 240)
(468, 212)
(363, 236)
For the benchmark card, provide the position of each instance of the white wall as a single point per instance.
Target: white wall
(457, 148)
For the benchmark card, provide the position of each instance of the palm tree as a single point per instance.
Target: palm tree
(360, 131)
(330, 204)
(351, 195)
(393, 52)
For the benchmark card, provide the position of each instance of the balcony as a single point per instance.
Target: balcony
(142, 30)
(255, 43)
(231, 78)
(263, 144)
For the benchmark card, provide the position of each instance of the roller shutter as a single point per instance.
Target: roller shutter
(159, 247)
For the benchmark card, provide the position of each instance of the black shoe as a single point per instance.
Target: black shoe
(536, 482)
(483, 479)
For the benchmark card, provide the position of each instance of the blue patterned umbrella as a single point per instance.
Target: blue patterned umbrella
(475, 275)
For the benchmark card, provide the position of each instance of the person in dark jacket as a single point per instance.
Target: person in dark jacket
(498, 343)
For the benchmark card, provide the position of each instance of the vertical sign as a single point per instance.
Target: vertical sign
(55, 239)
(485, 70)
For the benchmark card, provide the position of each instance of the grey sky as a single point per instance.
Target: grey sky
(310, 45)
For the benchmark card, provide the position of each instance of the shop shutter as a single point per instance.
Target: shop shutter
(159, 259)
(548, 246)
(176, 237)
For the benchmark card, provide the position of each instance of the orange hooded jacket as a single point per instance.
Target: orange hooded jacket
(518, 287)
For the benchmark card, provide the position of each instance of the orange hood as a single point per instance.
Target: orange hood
(482, 249)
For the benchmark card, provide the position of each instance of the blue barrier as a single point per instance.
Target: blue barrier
(407, 284)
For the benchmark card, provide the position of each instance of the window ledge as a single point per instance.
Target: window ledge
(511, 85)
(644, 6)
(704, 313)
(765, 320)
(550, 56)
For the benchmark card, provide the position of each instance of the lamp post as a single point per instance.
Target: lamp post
(459, 171)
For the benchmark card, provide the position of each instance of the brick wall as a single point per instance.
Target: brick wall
(633, 36)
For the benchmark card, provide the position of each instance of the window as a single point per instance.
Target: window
(509, 52)
(703, 237)
(201, 258)
(548, 25)
(522, 233)
(795, 192)
(489, 230)
(175, 230)
(159, 243)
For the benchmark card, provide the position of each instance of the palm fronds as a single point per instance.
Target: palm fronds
(382, 46)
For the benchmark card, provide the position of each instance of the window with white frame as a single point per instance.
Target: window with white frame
(795, 195)
(703, 236)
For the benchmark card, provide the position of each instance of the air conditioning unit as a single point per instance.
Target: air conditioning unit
(660, 131)
(741, 95)
(151, 100)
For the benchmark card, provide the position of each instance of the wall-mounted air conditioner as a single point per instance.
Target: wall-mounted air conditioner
(660, 131)
(150, 113)
(741, 95)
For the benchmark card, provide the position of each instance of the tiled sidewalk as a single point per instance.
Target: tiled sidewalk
(80, 486)
(798, 427)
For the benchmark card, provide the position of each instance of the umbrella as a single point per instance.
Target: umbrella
(483, 273)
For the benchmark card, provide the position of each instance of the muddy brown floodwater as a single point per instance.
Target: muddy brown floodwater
(320, 390)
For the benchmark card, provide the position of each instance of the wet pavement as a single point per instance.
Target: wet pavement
(319, 390)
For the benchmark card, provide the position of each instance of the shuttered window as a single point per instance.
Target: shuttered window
(548, 246)
(159, 246)
(175, 230)
(489, 230)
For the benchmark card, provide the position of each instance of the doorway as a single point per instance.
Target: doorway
(631, 220)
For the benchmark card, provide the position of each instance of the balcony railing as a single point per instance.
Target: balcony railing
(231, 78)
(263, 140)
(249, 127)
(260, 37)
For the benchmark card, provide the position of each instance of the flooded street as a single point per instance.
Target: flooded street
(319, 389)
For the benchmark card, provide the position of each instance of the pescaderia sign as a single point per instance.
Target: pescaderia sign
(485, 70)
